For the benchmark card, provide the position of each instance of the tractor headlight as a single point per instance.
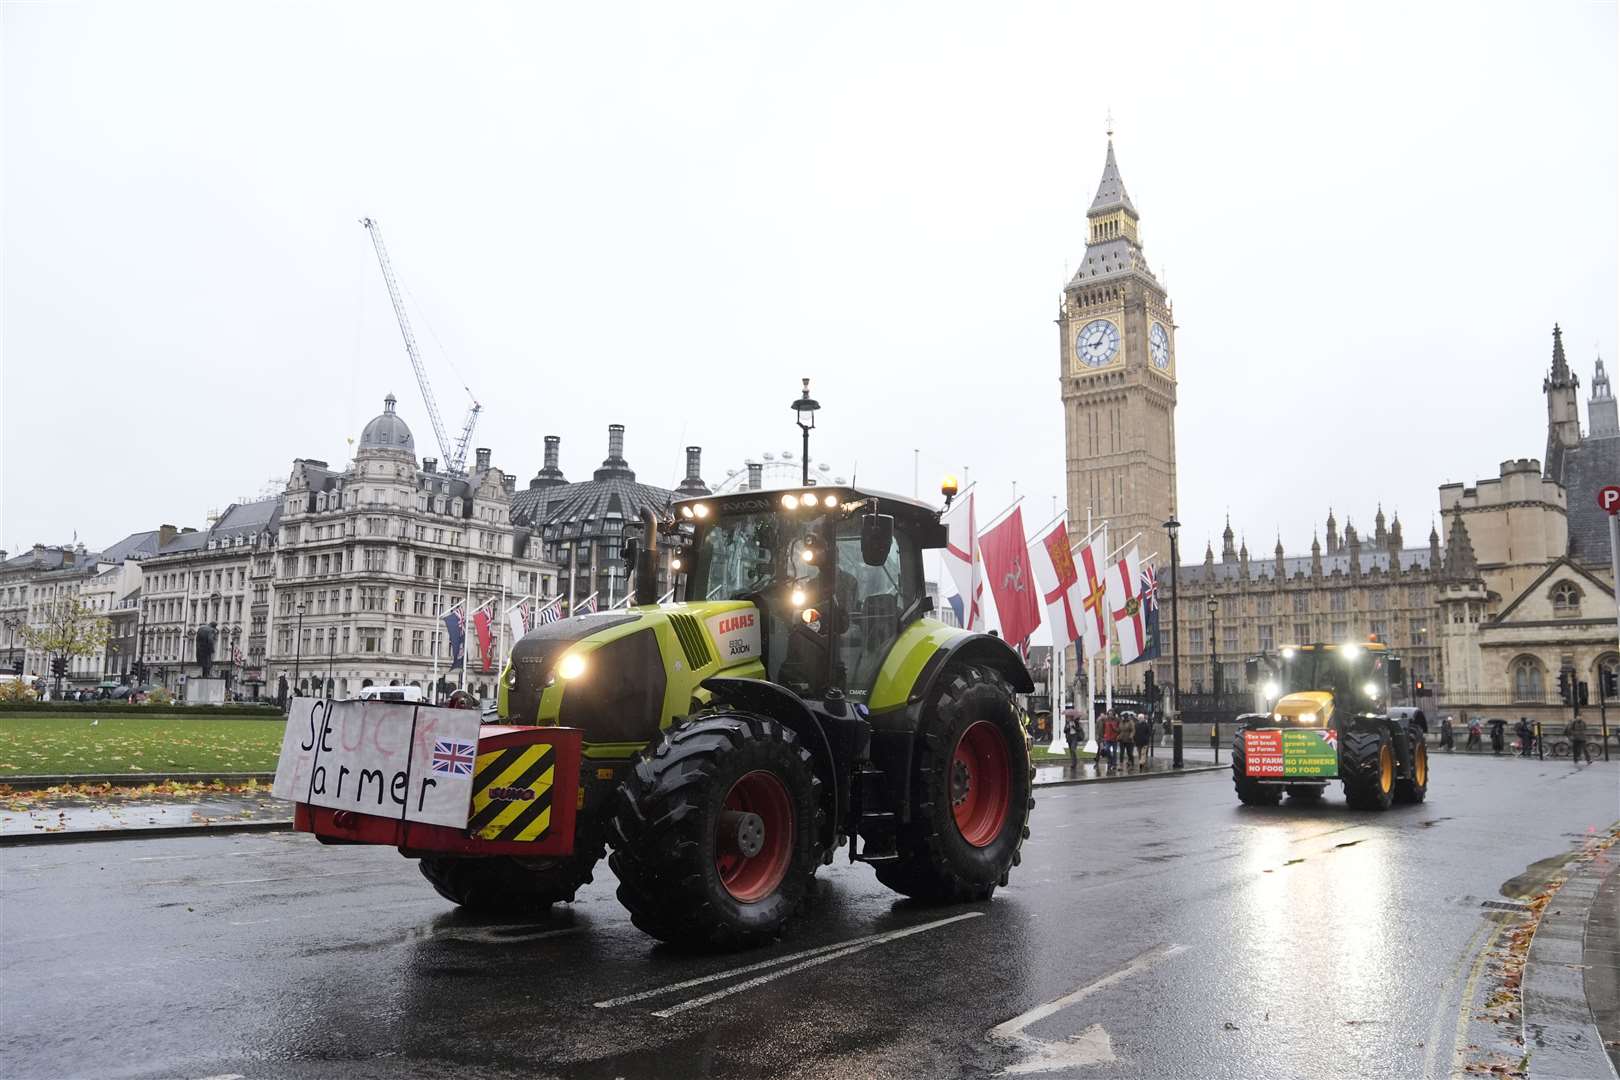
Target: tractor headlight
(1288, 653)
(1371, 689)
(1271, 689)
(686, 512)
(1350, 652)
(511, 678)
(798, 598)
(701, 510)
(1307, 718)
(571, 666)
(790, 501)
(830, 501)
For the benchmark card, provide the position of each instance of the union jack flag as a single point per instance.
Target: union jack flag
(453, 758)
(586, 606)
(1150, 588)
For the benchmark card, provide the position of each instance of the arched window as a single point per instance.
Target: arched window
(1528, 684)
(1566, 599)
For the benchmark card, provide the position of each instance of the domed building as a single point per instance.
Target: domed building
(376, 553)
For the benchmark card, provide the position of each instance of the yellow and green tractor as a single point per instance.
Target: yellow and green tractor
(1328, 717)
(799, 701)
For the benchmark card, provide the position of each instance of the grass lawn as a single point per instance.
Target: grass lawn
(1042, 755)
(66, 743)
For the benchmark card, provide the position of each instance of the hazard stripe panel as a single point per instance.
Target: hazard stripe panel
(512, 793)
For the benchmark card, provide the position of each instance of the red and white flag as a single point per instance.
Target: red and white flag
(1059, 583)
(962, 560)
(1094, 620)
(1125, 605)
(1006, 564)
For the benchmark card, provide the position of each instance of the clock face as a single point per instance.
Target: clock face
(1159, 347)
(1096, 343)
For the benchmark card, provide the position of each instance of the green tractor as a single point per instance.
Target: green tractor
(799, 701)
(1329, 718)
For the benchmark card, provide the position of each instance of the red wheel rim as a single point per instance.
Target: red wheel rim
(981, 781)
(750, 878)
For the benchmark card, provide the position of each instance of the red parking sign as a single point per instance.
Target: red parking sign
(1609, 498)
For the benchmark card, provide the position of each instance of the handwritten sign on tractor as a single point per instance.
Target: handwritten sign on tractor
(406, 762)
(1609, 498)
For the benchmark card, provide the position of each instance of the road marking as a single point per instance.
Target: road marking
(730, 973)
(1091, 1046)
(1465, 1012)
(1433, 1038)
(219, 855)
(810, 958)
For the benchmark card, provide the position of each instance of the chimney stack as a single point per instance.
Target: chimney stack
(693, 484)
(430, 464)
(614, 467)
(550, 475)
(481, 455)
(756, 475)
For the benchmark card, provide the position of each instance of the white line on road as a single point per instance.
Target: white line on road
(1091, 1046)
(202, 855)
(824, 958)
(730, 973)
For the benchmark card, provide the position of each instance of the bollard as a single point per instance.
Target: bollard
(1541, 747)
(1175, 743)
(1215, 741)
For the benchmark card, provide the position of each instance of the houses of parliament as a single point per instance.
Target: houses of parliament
(1512, 586)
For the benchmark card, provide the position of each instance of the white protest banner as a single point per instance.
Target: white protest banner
(407, 762)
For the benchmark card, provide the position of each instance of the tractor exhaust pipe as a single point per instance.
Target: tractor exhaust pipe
(646, 569)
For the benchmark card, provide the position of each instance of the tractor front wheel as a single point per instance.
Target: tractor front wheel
(972, 794)
(716, 833)
(504, 884)
(1367, 764)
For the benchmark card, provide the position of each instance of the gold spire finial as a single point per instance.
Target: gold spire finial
(1110, 122)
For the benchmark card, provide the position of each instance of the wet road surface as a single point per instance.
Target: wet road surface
(1154, 929)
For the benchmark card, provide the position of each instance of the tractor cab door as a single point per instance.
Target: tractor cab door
(871, 601)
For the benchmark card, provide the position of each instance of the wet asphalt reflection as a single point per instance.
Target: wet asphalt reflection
(1154, 929)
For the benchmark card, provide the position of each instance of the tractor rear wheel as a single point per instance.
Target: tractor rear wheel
(970, 813)
(715, 833)
(506, 884)
(1367, 765)
(1250, 792)
(1413, 788)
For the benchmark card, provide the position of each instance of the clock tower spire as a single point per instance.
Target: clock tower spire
(1117, 374)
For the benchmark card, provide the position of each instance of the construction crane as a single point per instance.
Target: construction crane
(455, 455)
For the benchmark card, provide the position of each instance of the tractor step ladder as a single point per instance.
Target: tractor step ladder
(875, 833)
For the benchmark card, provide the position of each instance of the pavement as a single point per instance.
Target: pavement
(1153, 930)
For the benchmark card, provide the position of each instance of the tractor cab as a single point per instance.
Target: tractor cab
(1323, 685)
(835, 574)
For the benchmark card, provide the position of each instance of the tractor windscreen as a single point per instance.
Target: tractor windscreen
(752, 554)
(1354, 676)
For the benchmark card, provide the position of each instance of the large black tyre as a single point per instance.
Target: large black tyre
(715, 832)
(507, 884)
(1250, 792)
(970, 793)
(1413, 787)
(1367, 767)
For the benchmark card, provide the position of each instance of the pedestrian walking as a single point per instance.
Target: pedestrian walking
(1448, 738)
(1577, 740)
(1110, 741)
(1144, 740)
(1074, 735)
(1127, 740)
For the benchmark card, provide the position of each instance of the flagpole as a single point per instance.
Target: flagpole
(1108, 657)
(500, 640)
(1093, 743)
(998, 518)
(573, 573)
(438, 598)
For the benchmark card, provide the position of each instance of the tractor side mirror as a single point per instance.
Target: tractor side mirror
(1251, 671)
(628, 552)
(877, 538)
(1396, 678)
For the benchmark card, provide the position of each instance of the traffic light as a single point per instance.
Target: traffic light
(1611, 683)
(1417, 686)
(1580, 692)
(1148, 685)
(1566, 689)
(59, 666)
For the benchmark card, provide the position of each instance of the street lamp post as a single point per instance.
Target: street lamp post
(1173, 527)
(1214, 681)
(331, 651)
(298, 648)
(804, 409)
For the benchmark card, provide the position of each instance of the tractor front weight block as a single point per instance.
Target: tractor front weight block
(526, 791)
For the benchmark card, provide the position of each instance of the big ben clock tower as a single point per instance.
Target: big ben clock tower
(1117, 353)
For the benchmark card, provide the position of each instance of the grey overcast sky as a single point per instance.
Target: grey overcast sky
(1369, 216)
